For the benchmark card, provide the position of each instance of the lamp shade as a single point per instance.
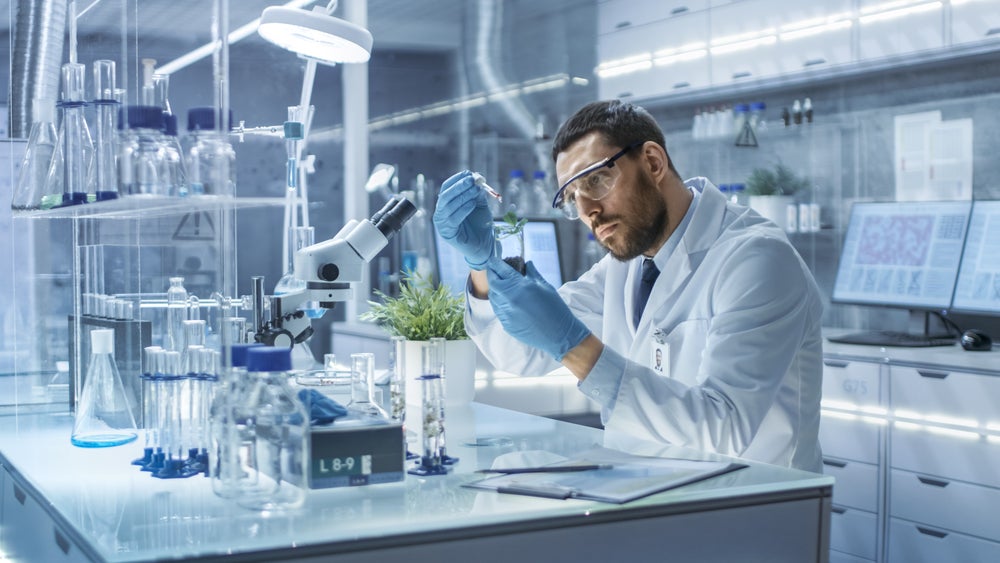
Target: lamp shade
(315, 35)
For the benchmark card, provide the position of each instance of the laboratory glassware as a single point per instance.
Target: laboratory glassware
(232, 454)
(150, 365)
(397, 378)
(177, 313)
(281, 425)
(30, 191)
(74, 154)
(433, 457)
(104, 180)
(141, 155)
(103, 417)
(174, 171)
(211, 160)
(363, 389)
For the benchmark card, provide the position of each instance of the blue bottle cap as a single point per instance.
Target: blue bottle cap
(741, 108)
(170, 124)
(203, 119)
(238, 353)
(269, 358)
(517, 173)
(539, 175)
(145, 117)
(758, 106)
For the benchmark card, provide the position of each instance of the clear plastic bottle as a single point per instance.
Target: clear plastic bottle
(515, 195)
(103, 416)
(698, 125)
(141, 155)
(757, 121)
(228, 438)
(177, 313)
(29, 193)
(74, 154)
(737, 194)
(807, 110)
(741, 116)
(281, 425)
(211, 160)
(797, 112)
(540, 196)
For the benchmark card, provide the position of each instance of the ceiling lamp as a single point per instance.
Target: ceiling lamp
(316, 35)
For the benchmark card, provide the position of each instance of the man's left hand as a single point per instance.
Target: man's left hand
(531, 310)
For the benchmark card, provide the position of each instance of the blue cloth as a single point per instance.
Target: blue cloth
(322, 409)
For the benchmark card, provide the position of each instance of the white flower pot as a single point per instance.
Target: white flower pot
(773, 207)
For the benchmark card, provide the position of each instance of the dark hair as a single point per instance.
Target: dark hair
(620, 123)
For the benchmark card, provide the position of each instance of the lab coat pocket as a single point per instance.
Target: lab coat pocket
(686, 345)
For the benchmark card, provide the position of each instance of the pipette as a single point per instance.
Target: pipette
(481, 182)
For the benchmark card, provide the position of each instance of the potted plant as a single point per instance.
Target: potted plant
(425, 310)
(771, 192)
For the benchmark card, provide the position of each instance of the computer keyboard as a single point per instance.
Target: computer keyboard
(892, 338)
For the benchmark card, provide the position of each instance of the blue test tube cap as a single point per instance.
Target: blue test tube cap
(238, 353)
(144, 117)
(269, 359)
(517, 173)
(203, 119)
(539, 175)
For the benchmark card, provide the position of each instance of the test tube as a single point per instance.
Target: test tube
(363, 382)
(481, 182)
(433, 427)
(397, 379)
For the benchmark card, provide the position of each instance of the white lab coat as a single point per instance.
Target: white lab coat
(736, 314)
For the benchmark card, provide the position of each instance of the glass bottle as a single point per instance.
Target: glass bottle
(74, 153)
(103, 416)
(211, 160)
(177, 313)
(29, 192)
(232, 449)
(104, 180)
(281, 426)
(174, 171)
(141, 153)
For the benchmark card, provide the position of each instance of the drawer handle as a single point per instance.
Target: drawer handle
(681, 85)
(834, 463)
(743, 74)
(622, 25)
(930, 532)
(19, 495)
(814, 62)
(837, 510)
(993, 31)
(933, 482)
(678, 10)
(62, 542)
(932, 374)
(625, 94)
(836, 363)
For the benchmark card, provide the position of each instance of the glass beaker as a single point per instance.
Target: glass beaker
(103, 417)
(74, 153)
(103, 182)
(30, 191)
(363, 383)
(510, 236)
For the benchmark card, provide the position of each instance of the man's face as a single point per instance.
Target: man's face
(633, 216)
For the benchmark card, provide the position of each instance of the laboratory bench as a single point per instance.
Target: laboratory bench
(62, 503)
(912, 437)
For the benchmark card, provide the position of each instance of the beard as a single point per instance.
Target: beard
(640, 226)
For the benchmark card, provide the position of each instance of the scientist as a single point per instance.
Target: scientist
(701, 327)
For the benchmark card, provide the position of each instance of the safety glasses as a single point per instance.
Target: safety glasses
(593, 182)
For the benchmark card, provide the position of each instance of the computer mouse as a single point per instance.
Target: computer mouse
(976, 341)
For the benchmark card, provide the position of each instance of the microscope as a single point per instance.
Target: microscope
(329, 269)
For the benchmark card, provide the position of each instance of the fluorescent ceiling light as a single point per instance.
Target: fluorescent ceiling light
(743, 45)
(815, 30)
(891, 14)
(316, 35)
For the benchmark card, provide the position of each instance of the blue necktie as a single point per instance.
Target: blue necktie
(648, 278)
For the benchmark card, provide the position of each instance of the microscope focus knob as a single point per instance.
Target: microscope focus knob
(328, 272)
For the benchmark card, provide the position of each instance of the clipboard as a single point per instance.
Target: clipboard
(629, 477)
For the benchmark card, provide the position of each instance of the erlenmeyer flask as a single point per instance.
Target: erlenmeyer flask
(74, 152)
(103, 416)
(31, 181)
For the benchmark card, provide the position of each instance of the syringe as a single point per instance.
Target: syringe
(481, 182)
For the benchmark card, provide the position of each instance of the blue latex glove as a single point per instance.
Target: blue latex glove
(532, 311)
(463, 219)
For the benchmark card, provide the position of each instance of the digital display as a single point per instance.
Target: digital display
(902, 254)
(541, 246)
(978, 287)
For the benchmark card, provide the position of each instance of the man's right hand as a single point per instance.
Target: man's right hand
(463, 219)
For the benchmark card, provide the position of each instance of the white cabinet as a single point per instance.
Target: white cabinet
(28, 533)
(975, 21)
(615, 15)
(854, 532)
(910, 542)
(887, 33)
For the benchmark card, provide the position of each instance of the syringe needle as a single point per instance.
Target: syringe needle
(481, 182)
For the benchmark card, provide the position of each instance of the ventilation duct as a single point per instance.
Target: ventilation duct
(39, 31)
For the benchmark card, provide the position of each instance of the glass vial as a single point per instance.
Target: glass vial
(282, 434)
(363, 389)
(30, 191)
(103, 417)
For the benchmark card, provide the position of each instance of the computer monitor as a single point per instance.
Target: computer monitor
(904, 255)
(978, 287)
(541, 246)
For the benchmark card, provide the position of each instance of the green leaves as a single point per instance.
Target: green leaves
(512, 225)
(780, 181)
(421, 311)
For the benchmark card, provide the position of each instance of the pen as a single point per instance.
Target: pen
(481, 182)
(549, 469)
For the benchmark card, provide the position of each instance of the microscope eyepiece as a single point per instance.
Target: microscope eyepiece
(390, 219)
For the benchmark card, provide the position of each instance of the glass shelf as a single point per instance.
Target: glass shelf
(151, 206)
